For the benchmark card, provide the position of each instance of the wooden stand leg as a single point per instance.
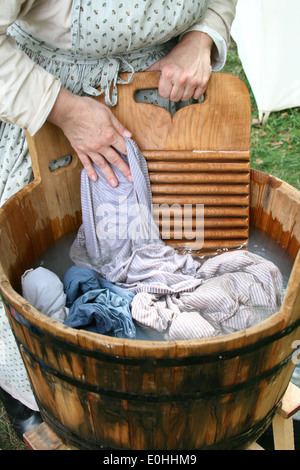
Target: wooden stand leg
(283, 428)
(255, 446)
(283, 433)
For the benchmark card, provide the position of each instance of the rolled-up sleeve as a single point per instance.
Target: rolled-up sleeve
(216, 22)
(27, 92)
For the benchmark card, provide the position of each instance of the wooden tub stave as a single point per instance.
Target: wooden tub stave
(96, 391)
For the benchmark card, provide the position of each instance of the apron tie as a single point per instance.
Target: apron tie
(106, 75)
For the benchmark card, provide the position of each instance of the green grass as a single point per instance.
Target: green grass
(275, 149)
(275, 146)
(8, 438)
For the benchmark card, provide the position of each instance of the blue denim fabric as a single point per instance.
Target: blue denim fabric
(97, 305)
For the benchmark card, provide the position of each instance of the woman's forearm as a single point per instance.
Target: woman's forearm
(27, 92)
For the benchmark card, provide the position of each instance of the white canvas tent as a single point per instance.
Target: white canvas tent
(267, 34)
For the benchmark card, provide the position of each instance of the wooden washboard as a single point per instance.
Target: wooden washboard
(200, 156)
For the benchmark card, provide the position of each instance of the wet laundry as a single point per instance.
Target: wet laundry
(119, 240)
(81, 300)
(176, 296)
(44, 290)
(97, 305)
(237, 290)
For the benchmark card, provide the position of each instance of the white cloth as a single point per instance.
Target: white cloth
(44, 290)
(238, 290)
(270, 60)
(119, 239)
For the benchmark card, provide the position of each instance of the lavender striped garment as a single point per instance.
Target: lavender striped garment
(176, 296)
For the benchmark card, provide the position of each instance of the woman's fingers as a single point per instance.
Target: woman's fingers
(178, 85)
(87, 165)
(104, 162)
(110, 156)
(186, 70)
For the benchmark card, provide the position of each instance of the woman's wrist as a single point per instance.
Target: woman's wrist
(62, 107)
(203, 40)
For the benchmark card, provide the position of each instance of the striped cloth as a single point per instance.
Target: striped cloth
(176, 296)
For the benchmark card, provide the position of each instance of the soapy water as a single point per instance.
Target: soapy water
(262, 244)
(56, 258)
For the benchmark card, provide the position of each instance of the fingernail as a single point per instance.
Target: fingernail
(93, 177)
(126, 133)
(129, 177)
(113, 183)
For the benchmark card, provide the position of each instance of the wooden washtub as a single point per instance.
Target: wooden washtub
(98, 392)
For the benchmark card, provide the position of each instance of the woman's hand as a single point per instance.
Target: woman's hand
(186, 70)
(94, 133)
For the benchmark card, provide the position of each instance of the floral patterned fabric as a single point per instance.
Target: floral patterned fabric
(107, 38)
(117, 27)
